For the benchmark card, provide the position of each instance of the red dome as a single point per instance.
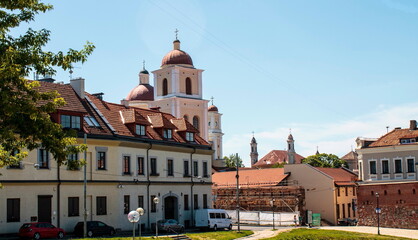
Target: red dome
(213, 108)
(176, 56)
(142, 92)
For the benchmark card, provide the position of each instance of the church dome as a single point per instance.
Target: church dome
(142, 92)
(176, 56)
(212, 108)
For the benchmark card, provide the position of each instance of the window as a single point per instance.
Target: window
(338, 191)
(385, 166)
(408, 140)
(154, 167)
(101, 208)
(91, 121)
(346, 191)
(188, 86)
(205, 169)
(101, 160)
(141, 201)
(189, 137)
(195, 202)
(170, 171)
(354, 191)
(338, 211)
(186, 202)
(140, 130)
(410, 164)
(167, 134)
(343, 207)
(73, 206)
(153, 204)
(43, 159)
(372, 167)
(126, 165)
(17, 165)
(126, 204)
(205, 201)
(68, 121)
(348, 209)
(186, 169)
(196, 122)
(165, 87)
(140, 165)
(13, 210)
(398, 165)
(195, 169)
(72, 162)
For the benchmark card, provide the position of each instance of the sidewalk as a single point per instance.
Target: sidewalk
(263, 234)
(398, 232)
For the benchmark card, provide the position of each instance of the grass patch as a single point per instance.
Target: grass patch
(220, 235)
(320, 234)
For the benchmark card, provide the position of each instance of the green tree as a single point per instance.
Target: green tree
(325, 160)
(25, 122)
(231, 161)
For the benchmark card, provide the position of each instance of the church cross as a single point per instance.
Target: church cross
(176, 31)
(212, 99)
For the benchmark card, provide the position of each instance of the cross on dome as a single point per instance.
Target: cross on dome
(176, 31)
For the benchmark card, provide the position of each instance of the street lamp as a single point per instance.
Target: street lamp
(141, 212)
(156, 201)
(378, 213)
(272, 208)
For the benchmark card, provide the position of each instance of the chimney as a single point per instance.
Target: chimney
(412, 125)
(78, 86)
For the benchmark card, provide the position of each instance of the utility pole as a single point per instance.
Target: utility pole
(237, 176)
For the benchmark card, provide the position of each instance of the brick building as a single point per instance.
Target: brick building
(398, 203)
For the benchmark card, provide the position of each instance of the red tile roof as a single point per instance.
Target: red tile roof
(350, 156)
(341, 176)
(249, 177)
(276, 156)
(394, 137)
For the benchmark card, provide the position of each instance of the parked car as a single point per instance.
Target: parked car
(94, 228)
(38, 230)
(347, 222)
(170, 225)
(212, 219)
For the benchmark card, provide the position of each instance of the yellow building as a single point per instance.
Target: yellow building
(328, 191)
(133, 156)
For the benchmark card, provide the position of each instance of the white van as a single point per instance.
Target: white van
(213, 219)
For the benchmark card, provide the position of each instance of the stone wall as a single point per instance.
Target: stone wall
(398, 203)
(286, 198)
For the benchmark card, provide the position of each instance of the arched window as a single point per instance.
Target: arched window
(196, 122)
(186, 117)
(188, 86)
(165, 87)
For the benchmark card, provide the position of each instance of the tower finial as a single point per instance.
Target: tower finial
(212, 99)
(176, 31)
(290, 130)
(253, 133)
(143, 64)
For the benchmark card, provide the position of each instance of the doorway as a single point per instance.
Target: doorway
(44, 208)
(171, 208)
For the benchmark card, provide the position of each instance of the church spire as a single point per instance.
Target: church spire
(291, 153)
(254, 152)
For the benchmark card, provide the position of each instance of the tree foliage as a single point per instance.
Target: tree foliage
(325, 160)
(231, 161)
(25, 123)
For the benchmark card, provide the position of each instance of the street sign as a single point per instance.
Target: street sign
(133, 216)
(378, 210)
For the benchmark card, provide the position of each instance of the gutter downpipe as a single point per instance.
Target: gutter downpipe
(191, 186)
(148, 186)
(58, 195)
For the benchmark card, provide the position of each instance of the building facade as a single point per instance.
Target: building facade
(134, 155)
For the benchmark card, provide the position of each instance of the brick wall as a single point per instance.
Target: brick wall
(398, 203)
(287, 198)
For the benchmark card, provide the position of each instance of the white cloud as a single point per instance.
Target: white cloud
(337, 137)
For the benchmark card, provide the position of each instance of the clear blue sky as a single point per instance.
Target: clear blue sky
(329, 70)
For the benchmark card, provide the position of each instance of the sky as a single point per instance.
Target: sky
(328, 71)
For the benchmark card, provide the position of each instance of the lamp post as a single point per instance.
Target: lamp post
(272, 208)
(141, 212)
(156, 201)
(133, 217)
(238, 206)
(378, 213)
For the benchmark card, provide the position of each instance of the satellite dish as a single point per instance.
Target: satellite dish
(133, 216)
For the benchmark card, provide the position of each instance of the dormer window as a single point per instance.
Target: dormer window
(189, 137)
(140, 130)
(408, 140)
(167, 133)
(68, 121)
